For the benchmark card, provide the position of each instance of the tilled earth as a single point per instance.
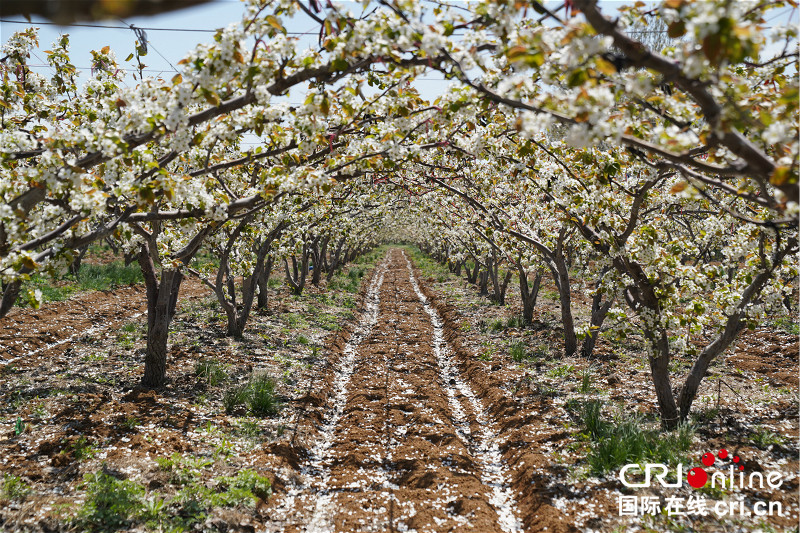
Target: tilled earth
(412, 417)
(27, 333)
(404, 442)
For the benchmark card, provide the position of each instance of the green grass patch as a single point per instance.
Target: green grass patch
(248, 429)
(126, 340)
(550, 294)
(246, 487)
(258, 395)
(14, 487)
(514, 321)
(561, 371)
(90, 278)
(108, 276)
(350, 282)
(111, 503)
(328, 321)
(627, 439)
(788, 325)
(84, 448)
(295, 321)
(496, 326)
(488, 352)
(586, 381)
(210, 371)
(762, 437)
(518, 352)
(114, 504)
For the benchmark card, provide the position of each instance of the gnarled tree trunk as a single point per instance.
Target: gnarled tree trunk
(263, 284)
(561, 276)
(162, 298)
(75, 266)
(299, 273)
(600, 308)
(528, 294)
(472, 274)
(10, 294)
(335, 260)
(483, 285)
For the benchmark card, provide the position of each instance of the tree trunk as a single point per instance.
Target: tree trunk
(689, 390)
(249, 285)
(316, 262)
(504, 287)
(565, 299)
(600, 309)
(257, 278)
(162, 298)
(263, 284)
(323, 255)
(599, 312)
(733, 326)
(335, 258)
(155, 360)
(297, 278)
(112, 244)
(494, 276)
(659, 371)
(75, 266)
(528, 294)
(472, 275)
(500, 287)
(130, 258)
(484, 283)
(10, 294)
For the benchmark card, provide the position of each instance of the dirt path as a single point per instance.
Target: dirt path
(405, 444)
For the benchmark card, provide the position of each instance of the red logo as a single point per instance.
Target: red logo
(698, 477)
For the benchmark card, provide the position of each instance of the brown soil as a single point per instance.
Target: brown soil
(747, 404)
(410, 446)
(400, 457)
(769, 353)
(54, 327)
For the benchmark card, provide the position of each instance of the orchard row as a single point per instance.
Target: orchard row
(660, 175)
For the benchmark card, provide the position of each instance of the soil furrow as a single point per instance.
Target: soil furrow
(405, 445)
(485, 444)
(314, 474)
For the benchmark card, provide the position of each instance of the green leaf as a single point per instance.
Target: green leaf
(210, 97)
(339, 64)
(577, 78)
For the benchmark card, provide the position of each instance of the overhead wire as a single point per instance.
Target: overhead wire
(43, 64)
(106, 26)
(145, 42)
